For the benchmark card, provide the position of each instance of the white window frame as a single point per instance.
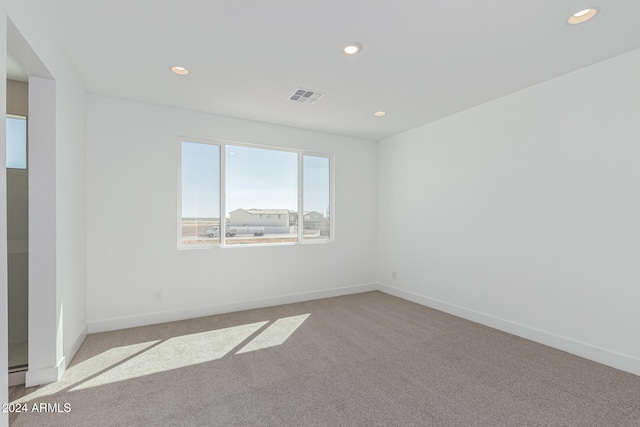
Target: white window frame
(300, 213)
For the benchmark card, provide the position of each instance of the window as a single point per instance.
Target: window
(200, 218)
(16, 142)
(260, 190)
(260, 181)
(317, 197)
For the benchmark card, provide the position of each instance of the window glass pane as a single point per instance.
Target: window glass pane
(17, 142)
(262, 191)
(317, 197)
(200, 193)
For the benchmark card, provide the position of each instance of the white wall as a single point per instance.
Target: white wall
(132, 171)
(41, 57)
(528, 213)
(71, 205)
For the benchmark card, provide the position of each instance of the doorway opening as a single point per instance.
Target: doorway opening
(17, 200)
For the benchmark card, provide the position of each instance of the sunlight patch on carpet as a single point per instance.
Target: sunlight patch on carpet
(141, 359)
(177, 352)
(276, 334)
(82, 371)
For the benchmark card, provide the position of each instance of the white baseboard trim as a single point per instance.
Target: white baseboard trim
(578, 348)
(49, 375)
(17, 378)
(190, 313)
(71, 352)
(44, 376)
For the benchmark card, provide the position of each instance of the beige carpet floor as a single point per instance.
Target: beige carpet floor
(362, 360)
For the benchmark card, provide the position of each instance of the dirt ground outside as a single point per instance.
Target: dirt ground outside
(193, 233)
(196, 228)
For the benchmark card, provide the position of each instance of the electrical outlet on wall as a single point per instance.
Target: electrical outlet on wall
(157, 296)
(393, 274)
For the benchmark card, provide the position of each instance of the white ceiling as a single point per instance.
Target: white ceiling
(422, 59)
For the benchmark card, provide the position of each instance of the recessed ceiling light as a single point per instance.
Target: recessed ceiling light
(181, 71)
(380, 113)
(582, 16)
(352, 48)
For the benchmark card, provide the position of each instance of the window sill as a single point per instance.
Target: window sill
(254, 245)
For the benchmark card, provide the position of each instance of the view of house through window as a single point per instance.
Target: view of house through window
(269, 195)
(261, 189)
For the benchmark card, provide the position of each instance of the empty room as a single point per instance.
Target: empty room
(232, 213)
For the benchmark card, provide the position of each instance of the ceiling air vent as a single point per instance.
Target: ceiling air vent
(305, 96)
